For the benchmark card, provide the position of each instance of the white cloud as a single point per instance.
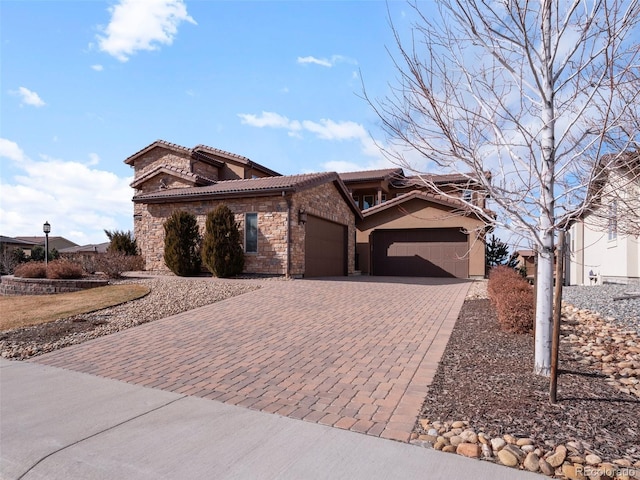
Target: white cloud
(11, 150)
(28, 97)
(142, 25)
(325, 129)
(326, 62)
(77, 200)
(330, 130)
(341, 166)
(317, 61)
(97, 68)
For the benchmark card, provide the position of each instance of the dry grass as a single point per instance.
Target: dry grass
(23, 311)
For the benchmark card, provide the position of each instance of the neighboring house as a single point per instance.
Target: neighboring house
(527, 262)
(409, 231)
(8, 244)
(604, 242)
(309, 224)
(54, 242)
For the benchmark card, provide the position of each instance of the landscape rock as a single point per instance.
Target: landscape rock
(507, 458)
(546, 468)
(573, 471)
(556, 459)
(471, 450)
(532, 462)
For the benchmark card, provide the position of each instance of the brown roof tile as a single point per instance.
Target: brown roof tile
(427, 196)
(366, 175)
(184, 174)
(251, 187)
(203, 150)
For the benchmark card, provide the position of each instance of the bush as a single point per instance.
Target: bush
(512, 297)
(31, 270)
(10, 259)
(63, 268)
(37, 254)
(113, 264)
(182, 244)
(122, 242)
(221, 248)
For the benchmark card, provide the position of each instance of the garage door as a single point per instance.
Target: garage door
(436, 252)
(325, 248)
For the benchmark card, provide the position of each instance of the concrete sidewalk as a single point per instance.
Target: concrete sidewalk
(60, 424)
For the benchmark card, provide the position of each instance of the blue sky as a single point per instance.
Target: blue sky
(83, 85)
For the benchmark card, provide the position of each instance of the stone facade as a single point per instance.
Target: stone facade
(276, 216)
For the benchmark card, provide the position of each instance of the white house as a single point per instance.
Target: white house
(604, 242)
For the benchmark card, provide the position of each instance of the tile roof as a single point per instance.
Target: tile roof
(201, 150)
(427, 196)
(251, 187)
(365, 175)
(184, 174)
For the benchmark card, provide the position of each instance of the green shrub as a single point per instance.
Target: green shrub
(182, 244)
(512, 297)
(221, 248)
(31, 270)
(63, 268)
(122, 242)
(37, 254)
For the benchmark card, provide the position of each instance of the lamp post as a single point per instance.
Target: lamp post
(46, 228)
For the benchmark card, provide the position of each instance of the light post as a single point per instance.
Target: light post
(46, 228)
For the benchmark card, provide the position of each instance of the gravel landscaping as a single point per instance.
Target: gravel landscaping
(486, 403)
(169, 296)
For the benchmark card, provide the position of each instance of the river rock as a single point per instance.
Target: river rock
(455, 440)
(573, 472)
(458, 424)
(545, 467)
(449, 449)
(507, 458)
(471, 450)
(556, 458)
(532, 462)
(497, 444)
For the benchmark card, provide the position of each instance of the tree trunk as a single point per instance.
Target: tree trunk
(544, 310)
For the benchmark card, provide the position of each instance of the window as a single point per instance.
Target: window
(357, 200)
(467, 195)
(384, 197)
(251, 233)
(367, 201)
(613, 220)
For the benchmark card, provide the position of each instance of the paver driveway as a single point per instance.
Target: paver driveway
(355, 353)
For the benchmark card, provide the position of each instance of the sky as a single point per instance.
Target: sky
(85, 84)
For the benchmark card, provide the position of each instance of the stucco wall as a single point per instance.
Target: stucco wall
(417, 213)
(615, 260)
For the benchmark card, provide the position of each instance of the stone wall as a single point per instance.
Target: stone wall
(160, 156)
(272, 229)
(11, 285)
(323, 201)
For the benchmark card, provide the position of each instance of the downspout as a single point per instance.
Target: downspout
(289, 205)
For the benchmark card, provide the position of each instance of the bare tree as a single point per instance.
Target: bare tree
(542, 94)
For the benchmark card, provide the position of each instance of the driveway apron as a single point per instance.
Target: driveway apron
(355, 353)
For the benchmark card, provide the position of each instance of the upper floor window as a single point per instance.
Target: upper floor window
(467, 195)
(368, 201)
(251, 232)
(613, 220)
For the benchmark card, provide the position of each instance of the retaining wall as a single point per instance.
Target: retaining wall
(11, 285)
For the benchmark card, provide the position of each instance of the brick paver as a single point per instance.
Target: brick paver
(356, 353)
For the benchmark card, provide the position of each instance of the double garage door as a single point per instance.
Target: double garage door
(420, 252)
(325, 248)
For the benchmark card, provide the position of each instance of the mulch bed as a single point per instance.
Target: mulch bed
(486, 377)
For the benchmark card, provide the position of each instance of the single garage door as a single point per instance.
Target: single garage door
(421, 252)
(325, 248)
